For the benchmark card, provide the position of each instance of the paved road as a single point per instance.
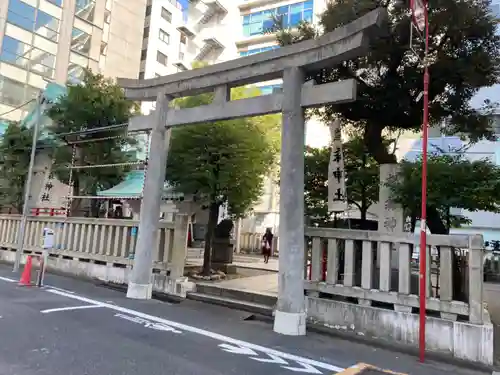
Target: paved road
(72, 327)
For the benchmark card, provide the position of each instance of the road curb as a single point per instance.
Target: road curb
(362, 368)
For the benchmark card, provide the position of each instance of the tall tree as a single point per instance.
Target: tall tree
(96, 102)
(464, 56)
(454, 182)
(15, 146)
(222, 162)
(361, 180)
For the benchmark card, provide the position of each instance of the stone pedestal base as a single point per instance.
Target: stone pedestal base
(224, 267)
(139, 291)
(291, 324)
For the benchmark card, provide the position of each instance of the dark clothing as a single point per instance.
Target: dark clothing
(267, 243)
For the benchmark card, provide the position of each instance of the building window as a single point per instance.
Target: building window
(85, 9)
(146, 32)
(17, 53)
(161, 58)
(46, 25)
(141, 75)
(289, 15)
(15, 93)
(144, 54)
(148, 10)
(164, 37)
(75, 73)
(42, 62)
(80, 41)
(107, 16)
(258, 50)
(59, 3)
(181, 56)
(166, 15)
(183, 38)
(104, 48)
(33, 20)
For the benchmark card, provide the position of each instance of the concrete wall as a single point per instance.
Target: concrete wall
(472, 342)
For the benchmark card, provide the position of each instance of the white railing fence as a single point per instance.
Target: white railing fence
(373, 268)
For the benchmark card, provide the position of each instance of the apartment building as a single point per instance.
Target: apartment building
(45, 41)
(178, 33)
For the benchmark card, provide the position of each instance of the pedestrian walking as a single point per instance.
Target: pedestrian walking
(267, 242)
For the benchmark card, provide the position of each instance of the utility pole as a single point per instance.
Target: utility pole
(27, 187)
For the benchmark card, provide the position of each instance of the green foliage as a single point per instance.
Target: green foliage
(15, 149)
(224, 161)
(453, 181)
(96, 102)
(464, 56)
(362, 179)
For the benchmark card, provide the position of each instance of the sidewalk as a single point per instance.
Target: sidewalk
(195, 257)
(267, 284)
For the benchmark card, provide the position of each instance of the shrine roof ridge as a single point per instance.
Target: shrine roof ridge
(346, 42)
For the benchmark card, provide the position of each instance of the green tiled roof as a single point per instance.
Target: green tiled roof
(131, 188)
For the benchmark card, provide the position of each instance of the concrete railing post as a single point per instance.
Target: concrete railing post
(476, 279)
(179, 246)
(290, 317)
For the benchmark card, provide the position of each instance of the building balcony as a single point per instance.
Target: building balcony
(181, 65)
(187, 30)
(213, 7)
(210, 44)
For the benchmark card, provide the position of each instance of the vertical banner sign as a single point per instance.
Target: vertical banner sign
(337, 198)
(418, 14)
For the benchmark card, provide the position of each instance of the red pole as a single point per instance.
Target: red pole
(423, 216)
(323, 278)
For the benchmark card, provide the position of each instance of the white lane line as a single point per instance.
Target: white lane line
(61, 289)
(8, 279)
(199, 331)
(70, 308)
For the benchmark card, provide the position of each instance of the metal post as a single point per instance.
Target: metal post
(423, 216)
(27, 187)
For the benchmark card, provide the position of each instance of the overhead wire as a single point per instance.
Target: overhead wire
(16, 108)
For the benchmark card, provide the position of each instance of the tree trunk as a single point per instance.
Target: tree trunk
(213, 215)
(95, 205)
(375, 146)
(75, 203)
(437, 226)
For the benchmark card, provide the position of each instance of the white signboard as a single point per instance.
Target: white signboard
(337, 198)
(48, 238)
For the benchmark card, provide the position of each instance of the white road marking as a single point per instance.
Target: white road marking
(8, 279)
(216, 336)
(237, 349)
(148, 324)
(60, 289)
(70, 308)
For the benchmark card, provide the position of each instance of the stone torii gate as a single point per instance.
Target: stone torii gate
(290, 63)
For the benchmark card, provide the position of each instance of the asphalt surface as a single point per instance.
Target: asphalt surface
(74, 327)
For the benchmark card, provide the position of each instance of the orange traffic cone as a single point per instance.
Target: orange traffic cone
(26, 276)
